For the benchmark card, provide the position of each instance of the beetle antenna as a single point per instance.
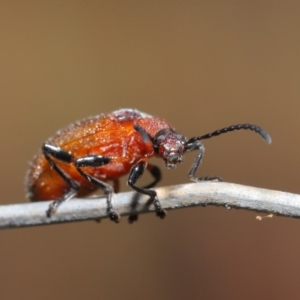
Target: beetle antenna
(255, 128)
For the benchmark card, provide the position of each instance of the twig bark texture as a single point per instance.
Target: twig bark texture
(223, 194)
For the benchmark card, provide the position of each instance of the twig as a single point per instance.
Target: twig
(187, 195)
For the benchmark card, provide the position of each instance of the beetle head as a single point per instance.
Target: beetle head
(170, 146)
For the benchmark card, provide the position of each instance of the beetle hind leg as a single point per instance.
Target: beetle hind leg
(50, 151)
(55, 204)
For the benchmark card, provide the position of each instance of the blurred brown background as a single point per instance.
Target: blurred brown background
(201, 66)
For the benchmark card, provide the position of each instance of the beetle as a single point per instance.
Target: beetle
(83, 156)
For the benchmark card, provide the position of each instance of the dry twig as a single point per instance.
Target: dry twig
(187, 195)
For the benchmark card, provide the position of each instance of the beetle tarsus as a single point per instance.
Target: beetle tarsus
(52, 209)
(161, 213)
(114, 216)
(207, 178)
(133, 218)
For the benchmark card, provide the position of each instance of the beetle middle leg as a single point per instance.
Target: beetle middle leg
(98, 161)
(135, 173)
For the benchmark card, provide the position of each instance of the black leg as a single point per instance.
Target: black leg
(97, 161)
(135, 173)
(56, 152)
(154, 170)
(156, 173)
(195, 166)
(87, 161)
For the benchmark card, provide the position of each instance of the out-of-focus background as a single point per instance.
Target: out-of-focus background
(200, 65)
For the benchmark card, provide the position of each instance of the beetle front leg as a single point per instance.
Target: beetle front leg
(135, 173)
(194, 168)
(97, 161)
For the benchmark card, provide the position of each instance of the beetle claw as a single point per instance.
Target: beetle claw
(51, 210)
(161, 213)
(133, 218)
(114, 217)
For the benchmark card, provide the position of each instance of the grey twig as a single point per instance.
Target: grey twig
(187, 195)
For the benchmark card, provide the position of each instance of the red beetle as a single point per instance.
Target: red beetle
(82, 157)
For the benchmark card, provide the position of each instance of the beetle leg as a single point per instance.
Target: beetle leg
(135, 173)
(58, 153)
(156, 173)
(194, 168)
(97, 161)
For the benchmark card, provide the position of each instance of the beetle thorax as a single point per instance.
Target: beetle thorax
(170, 146)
